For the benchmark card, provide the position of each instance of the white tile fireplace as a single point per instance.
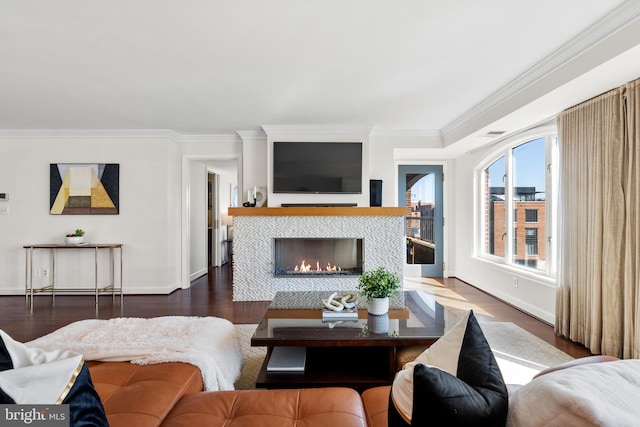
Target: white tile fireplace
(361, 238)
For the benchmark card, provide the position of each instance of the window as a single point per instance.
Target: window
(531, 215)
(516, 178)
(531, 241)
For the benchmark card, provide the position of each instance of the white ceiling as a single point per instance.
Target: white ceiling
(210, 67)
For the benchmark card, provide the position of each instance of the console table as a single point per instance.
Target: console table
(114, 287)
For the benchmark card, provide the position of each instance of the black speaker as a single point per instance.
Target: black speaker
(375, 192)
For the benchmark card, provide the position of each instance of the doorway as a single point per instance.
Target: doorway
(195, 212)
(420, 188)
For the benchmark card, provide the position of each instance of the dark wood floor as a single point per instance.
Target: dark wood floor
(211, 295)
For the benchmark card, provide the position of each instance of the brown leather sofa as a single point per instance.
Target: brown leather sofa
(170, 395)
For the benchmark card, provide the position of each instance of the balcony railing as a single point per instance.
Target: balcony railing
(421, 227)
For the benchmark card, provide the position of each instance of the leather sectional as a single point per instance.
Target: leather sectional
(170, 395)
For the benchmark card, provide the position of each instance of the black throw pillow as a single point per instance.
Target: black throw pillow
(470, 392)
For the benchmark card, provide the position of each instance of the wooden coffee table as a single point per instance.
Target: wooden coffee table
(354, 354)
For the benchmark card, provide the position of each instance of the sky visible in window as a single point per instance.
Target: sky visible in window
(528, 165)
(423, 190)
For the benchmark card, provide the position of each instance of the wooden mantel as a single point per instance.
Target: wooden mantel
(320, 211)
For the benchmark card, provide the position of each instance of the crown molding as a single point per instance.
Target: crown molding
(428, 138)
(214, 138)
(252, 136)
(618, 19)
(142, 133)
(287, 130)
(71, 133)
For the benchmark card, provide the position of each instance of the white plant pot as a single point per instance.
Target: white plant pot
(378, 306)
(74, 240)
(378, 324)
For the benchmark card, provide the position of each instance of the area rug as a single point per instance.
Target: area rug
(253, 358)
(519, 354)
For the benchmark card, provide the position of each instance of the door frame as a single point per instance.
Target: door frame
(186, 195)
(216, 258)
(422, 270)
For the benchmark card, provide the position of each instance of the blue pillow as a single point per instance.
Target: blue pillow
(471, 393)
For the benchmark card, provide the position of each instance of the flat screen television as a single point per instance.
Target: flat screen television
(317, 167)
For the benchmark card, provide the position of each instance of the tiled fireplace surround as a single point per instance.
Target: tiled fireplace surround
(382, 231)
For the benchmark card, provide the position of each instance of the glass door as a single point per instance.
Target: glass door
(420, 189)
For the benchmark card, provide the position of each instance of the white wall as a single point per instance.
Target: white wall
(254, 169)
(198, 221)
(148, 224)
(173, 219)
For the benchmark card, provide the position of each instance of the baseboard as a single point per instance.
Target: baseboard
(198, 274)
(521, 305)
(128, 290)
(8, 292)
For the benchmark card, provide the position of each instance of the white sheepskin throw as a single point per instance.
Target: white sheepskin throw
(595, 394)
(210, 343)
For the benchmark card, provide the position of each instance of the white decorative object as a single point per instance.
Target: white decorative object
(74, 240)
(260, 196)
(349, 299)
(378, 306)
(346, 300)
(332, 304)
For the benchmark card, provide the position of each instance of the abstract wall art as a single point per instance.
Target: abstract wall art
(84, 188)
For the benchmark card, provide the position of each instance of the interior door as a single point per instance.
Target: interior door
(420, 188)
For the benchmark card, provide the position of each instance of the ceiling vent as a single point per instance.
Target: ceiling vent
(493, 133)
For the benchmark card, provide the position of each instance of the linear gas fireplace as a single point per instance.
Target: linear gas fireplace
(317, 257)
(360, 238)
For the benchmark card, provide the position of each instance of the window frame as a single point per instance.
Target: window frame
(505, 148)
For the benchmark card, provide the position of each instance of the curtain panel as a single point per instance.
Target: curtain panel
(599, 215)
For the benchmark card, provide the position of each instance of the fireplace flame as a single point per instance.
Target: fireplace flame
(303, 267)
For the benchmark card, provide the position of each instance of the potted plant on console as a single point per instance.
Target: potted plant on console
(75, 238)
(376, 286)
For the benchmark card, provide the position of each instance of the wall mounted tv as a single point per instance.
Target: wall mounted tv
(317, 167)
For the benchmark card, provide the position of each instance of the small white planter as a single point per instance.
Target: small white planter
(378, 306)
(74, 240)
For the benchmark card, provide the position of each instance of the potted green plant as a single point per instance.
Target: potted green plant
(376, 286)
(76, 237)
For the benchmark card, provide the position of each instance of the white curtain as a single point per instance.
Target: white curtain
(598, 284)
